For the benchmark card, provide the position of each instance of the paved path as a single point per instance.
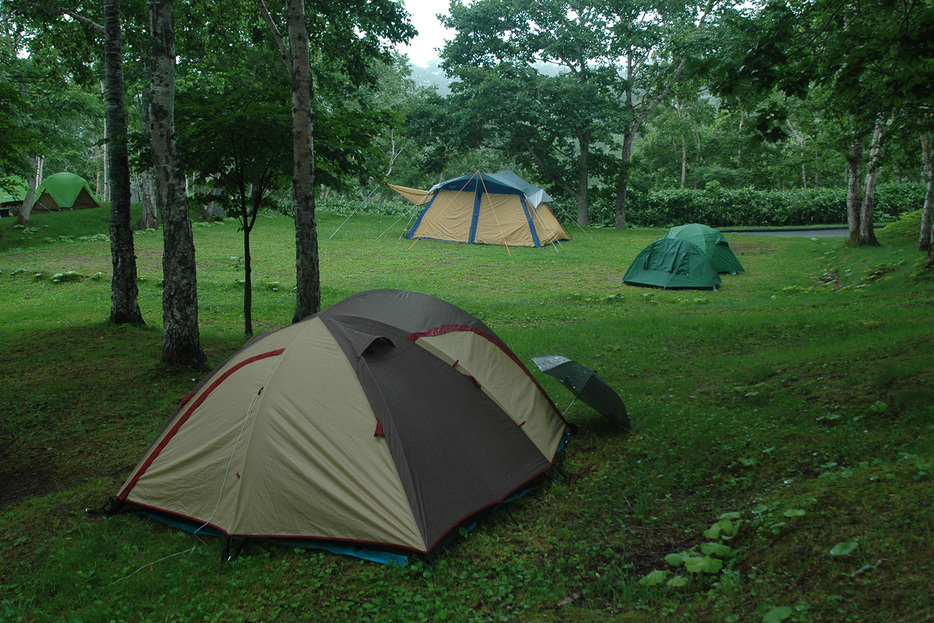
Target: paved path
(798, 232)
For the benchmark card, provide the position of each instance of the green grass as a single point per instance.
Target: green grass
(796, 402)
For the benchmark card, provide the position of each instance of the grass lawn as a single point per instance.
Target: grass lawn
(780, 465)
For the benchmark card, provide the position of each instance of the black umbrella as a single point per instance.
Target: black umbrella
(586, 385)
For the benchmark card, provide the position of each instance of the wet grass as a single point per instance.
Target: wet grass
(795, 403)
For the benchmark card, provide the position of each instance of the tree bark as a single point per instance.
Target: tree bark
(622, 183)
(867, 234)
(308, 290)
(124, 290)
(149, 219)
(297, 58)
(583, 179)
(181, 343)
(927, 212)
(25, 210)
(854, 161)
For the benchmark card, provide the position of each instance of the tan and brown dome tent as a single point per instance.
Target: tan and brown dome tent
(385, 422)
(485, 208)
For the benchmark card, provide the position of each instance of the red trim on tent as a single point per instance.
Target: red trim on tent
(191, 409)
(326, 539)
(454, 327)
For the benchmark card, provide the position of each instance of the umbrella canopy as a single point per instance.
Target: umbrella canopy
(586, 384)
(712, 242)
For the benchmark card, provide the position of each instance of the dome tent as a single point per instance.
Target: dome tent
(385, 422)
(712, 242)
(64, 191)
(485, 208)
(672, 263)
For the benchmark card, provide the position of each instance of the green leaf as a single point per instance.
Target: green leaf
(674, 560)
(844, 548)
(677, 581)
(775, 615)
(702, 564)
(722, 529)
(716, 549)
(653, 577)
(794, 512)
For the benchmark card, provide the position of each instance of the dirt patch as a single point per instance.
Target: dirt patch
(22, 477)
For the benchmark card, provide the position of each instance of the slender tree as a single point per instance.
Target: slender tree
(297, 57)
(181, 343)
(353, 31)
(124, 291)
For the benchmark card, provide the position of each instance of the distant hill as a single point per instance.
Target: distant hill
(433, 75)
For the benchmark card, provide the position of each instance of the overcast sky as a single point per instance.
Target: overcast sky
(431, 34)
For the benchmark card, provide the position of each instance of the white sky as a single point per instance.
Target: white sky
(431, 35)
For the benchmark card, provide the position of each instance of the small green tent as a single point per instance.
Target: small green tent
(672, 263)
(64, 191)
(12, 192)
(712, 242)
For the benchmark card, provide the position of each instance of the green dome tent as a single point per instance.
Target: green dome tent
(672, 263)
(64, 191)
(12, 192)
(712, 242)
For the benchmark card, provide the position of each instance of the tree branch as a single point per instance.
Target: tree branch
(283, 48)
(69, 13)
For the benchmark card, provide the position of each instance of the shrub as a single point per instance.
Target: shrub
(746, 207)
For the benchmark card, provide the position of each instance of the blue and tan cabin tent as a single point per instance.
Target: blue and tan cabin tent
(378, 427)
(485, 208)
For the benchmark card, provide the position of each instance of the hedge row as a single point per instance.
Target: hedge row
(759, 208)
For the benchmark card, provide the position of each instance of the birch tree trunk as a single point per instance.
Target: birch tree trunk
(927, 213)
(308, 279)
(149, 219)
(181, 343)
(124, 290)
(25, 210)
(297, 58)
(867, 234)
(854, 161)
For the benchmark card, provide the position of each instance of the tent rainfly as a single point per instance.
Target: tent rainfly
(485, 208)
(712, 242)
(377, 428)
(64, 191)
(672, 263)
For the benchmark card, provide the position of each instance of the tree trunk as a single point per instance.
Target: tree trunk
(124, 290)
(684, 160)
(25, 210)
(181, 343)
(583, 180)
(854, 161)
(927, 213)
(622, 183)
(867, 234)
(149, 219)
(308, 280)
(247, 282)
